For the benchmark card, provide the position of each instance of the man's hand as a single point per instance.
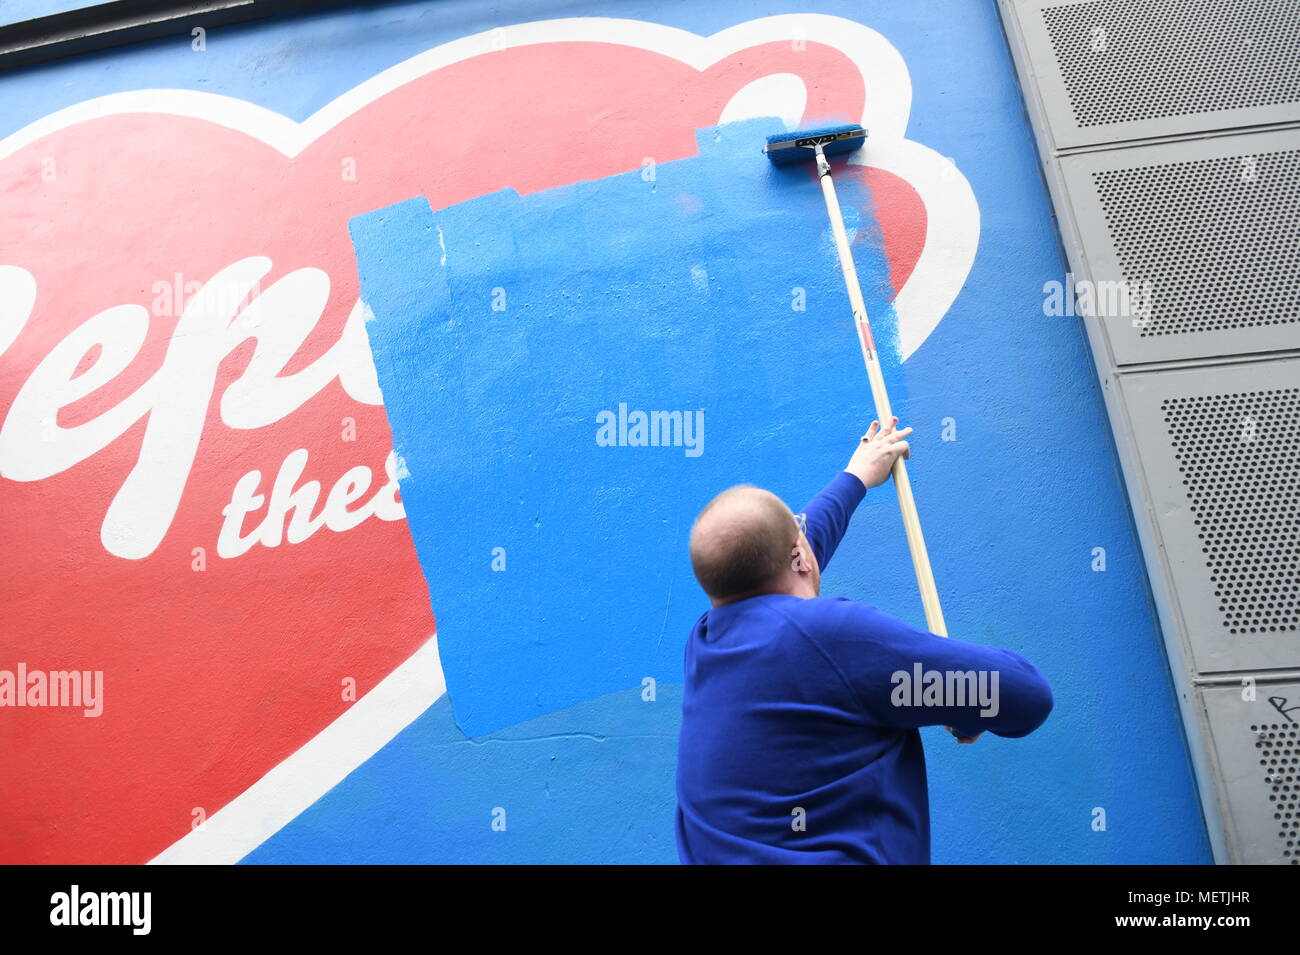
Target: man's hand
(877, 452)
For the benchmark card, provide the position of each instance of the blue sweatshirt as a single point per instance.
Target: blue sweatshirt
(799, 739)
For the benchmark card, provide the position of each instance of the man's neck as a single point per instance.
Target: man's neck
(799, 588)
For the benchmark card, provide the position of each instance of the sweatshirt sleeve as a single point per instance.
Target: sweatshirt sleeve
(829, 512)
(905, 677)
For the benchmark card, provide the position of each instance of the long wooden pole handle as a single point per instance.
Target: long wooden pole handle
(903, 485)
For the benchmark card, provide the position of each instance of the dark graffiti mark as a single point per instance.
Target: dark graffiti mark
(1279, 704)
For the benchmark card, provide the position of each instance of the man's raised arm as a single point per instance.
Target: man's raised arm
(829, 512)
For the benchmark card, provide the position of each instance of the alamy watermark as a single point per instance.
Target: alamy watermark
(58, 688)
(651, 429)
(947, 688)
(77, 907)
(1129, 298)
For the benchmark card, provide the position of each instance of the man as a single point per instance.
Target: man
(799, 738)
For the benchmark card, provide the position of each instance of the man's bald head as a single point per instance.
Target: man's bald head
(741, 542)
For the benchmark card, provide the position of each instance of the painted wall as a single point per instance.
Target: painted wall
(201, 503)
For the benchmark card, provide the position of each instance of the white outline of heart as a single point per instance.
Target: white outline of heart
(952, 236)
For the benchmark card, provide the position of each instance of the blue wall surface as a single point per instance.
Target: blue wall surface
(617, 297)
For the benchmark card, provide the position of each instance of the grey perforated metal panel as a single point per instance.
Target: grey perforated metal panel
(1206, 234)
(1170, 141)
(1219, 450)
(1112, 70)
(1241, 486)
(1257, 754)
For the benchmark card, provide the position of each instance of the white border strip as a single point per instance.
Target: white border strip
(287, 791)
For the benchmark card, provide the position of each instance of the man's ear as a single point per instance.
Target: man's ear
(799, 560)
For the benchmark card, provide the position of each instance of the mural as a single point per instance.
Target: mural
(202, 503)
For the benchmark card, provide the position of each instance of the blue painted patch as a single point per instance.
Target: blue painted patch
(554, 309)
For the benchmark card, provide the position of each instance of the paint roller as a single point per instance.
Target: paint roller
(801, 146)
